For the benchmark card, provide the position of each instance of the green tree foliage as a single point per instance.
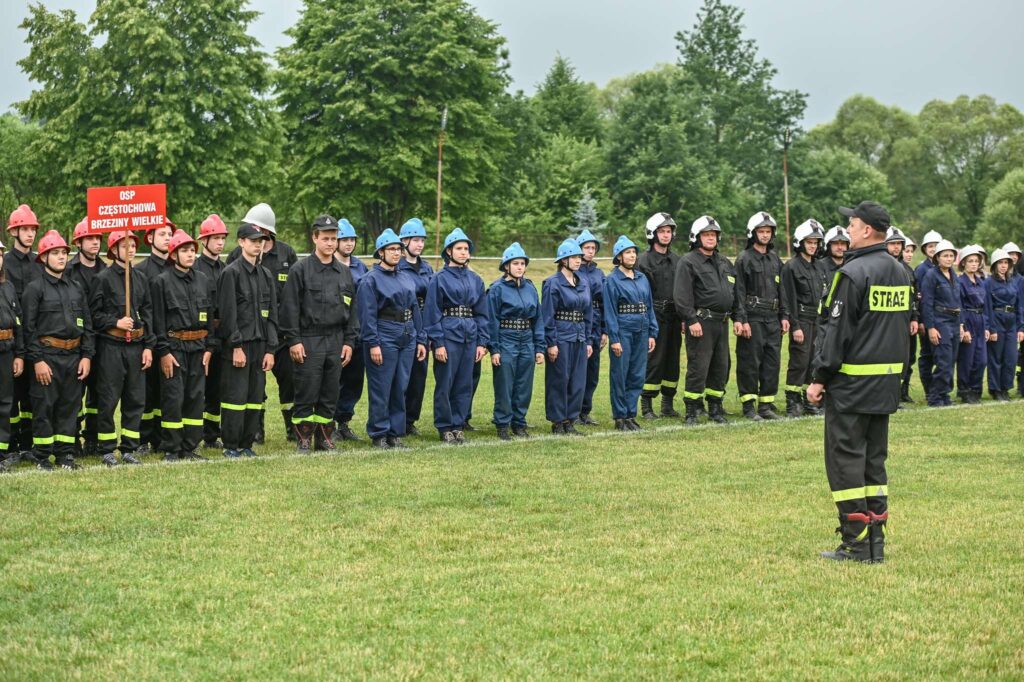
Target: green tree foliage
(362, 88)
(152, 91)
(566, 105)
(1003, 218)
(821, 180)
(20, 180)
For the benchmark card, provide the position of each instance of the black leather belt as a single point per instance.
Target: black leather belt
(632, 308)
(1005, 309)
(394, 314)
(807, 309)
(705, 314)
(763, 303)
(948, 311)
(569, 315)
(517, 323)
(458, 311)
(976, 311)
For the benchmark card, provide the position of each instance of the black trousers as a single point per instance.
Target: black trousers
(758, 360)
(151, 413)
(284, 373)
(352, 378)
(6, 401)
(211, 396)
(417, 388)
(181, 420)
(241, 394)
(798, 374)
(593, 374)
(908, 371)
(55, 406)
(477, 368)
(317, 380)
(21, 411)
(707, 361)
(663, 363)
(119, 379)
(91, 409)
(856, 447)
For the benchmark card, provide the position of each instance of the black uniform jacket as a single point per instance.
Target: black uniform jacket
(106, 303)
(866, 340)
(55, 307)
(247, 305)
(182, 302)
(319, 300)
(704, 282)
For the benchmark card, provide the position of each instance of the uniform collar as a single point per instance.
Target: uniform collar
(857, 253)
(333, 264)
(53, 280)
(211, 261)
(390, 273)
(182, 275)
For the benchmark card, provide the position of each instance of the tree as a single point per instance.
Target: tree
(821, 180)
(971, 143)
(867, 128)
(1003, 218)
(152, 91)
(362, 87)
(566, 105)
(741, 117)
(19, 180)
(585, 217)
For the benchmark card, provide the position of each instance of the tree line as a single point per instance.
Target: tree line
(346, 119)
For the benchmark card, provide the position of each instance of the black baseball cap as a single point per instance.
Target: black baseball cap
(247, 231)
(872, 213)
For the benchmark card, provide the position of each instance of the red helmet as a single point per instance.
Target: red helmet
(179, 239)
(82, 230)
(212, 227)
(167, 223)
(114, 237)
(22, 217)
(51, 240)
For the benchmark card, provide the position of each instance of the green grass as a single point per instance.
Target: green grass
(672, 553)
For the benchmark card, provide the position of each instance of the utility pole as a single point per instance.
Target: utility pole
(440, 166)
(785, 188)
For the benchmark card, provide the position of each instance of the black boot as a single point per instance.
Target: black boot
(647, 407)
(810, 408)
(558, 428)
(876, 534)
(905, 394)
(632, 425)
(381, 443)
(290, 434)
(691, 412)
(856, 545)
(768, 412)
(344, 432)
(503, 433)
(570, 430)
(303, 434)
(794, 406)
(620, 425)
(750, 411)
(716, 412)
(322, 437)
(666, 406)
(520, 432)
(261, 432)
(586, 420)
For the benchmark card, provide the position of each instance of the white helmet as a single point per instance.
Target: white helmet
(261, 215)
(837, 233)
(705, 223)
(945, 245)
(809, 229)
(659, 220)
(760, 219)
(998, 255)
(1010, 247)
(931, 237)
(895, 234)
(972, 250)
(909, 240)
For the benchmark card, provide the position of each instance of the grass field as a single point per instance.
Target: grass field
(672, 553)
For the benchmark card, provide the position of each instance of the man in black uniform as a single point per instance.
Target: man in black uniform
(151, 268)
(183, 325)
(761, 319)
(212, 235)
(278, 258)
(658, 263)
(319, 327)
(247, 305)
(124, 350)
(803, 286)
(59, 348)
(705, 300)
(895, 244)
(837, 241)
(20, 268)
(83, 268)
(858, 368)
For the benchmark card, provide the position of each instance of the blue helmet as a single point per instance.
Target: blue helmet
(568, 248)
(511, 253)
(586, 236)
(621, 244)
(386, 238)
(345, 229)
(454, 237)
(413, 228)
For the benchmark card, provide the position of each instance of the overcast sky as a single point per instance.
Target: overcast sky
(903, 52)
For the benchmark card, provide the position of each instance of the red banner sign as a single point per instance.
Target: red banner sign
(135, 207)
